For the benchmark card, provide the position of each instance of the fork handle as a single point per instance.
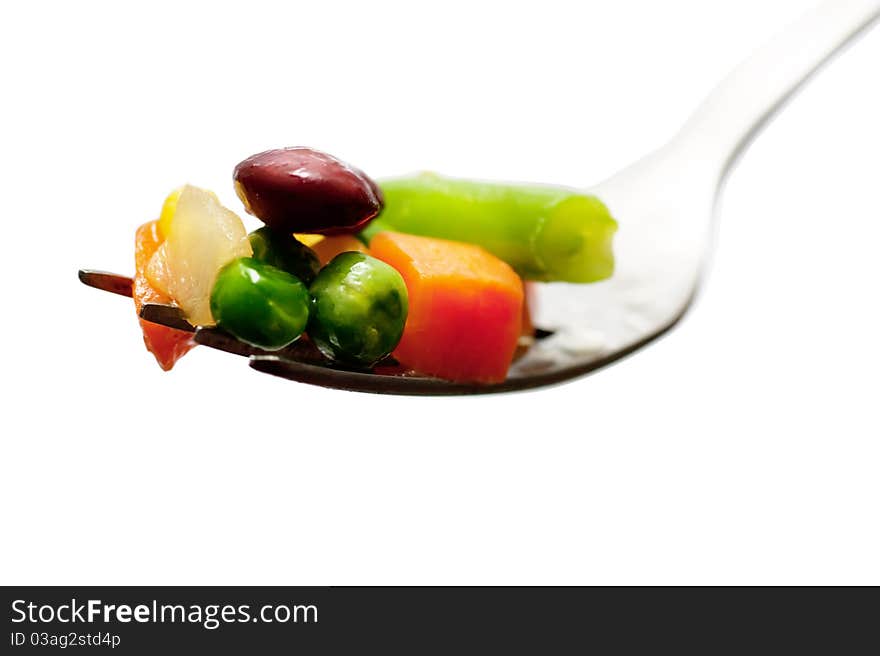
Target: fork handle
(727, 121)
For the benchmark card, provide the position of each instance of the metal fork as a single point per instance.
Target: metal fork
(665, 205)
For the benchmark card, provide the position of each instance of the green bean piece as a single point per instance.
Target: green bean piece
(260, 304)
(545, 233)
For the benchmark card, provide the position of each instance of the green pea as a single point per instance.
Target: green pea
(359, 307)
(285, 252)
(260, 304)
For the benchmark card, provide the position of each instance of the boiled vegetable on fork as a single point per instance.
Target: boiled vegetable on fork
(426, 272)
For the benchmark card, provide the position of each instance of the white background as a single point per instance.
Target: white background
(742, 448)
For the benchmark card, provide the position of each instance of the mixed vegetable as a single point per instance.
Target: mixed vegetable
(426, 270)
(359, 309)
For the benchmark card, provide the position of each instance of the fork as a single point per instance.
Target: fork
(665, 205)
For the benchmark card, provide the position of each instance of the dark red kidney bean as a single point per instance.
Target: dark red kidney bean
(305, 190)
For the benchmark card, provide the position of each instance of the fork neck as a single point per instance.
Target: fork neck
(734, 113)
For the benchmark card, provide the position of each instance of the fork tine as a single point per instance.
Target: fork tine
(301, 350)
(360, 381)
(166, 315)
(108, 282)
(221, 341)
